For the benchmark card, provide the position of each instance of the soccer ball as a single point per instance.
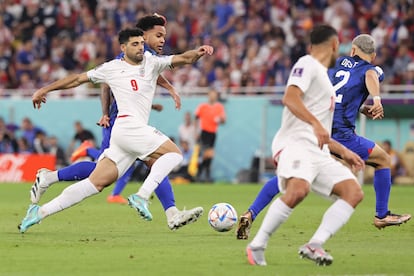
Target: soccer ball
(222, 217)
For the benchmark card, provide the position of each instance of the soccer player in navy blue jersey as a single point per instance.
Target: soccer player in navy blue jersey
(154, 34)
(354, 78)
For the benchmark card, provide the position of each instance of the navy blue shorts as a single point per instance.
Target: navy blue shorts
(358, 144)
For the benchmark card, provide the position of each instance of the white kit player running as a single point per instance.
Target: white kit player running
(301, 149)
(132, 81)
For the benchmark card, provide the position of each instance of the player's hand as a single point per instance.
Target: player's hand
(177, 99)
(104, 121)
(38, 98)
(205, 50)
(353, 160)
(321, 134)
(157, 107)
(377, 110)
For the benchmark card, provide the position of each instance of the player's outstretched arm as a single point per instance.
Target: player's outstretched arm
(191, 56)
(70, 81)
(163, 82)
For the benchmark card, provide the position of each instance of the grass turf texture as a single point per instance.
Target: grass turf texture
(97, 238)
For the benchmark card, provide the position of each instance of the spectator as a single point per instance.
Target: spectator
(8, 143)
(57, 151)
(40, 143)
(187, 130)
(181, 171)
(25, 62)
(29, 132)
(398, 167)
(81, 135)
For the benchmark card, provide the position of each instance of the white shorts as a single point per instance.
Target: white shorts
(130, 141)
(306, 161)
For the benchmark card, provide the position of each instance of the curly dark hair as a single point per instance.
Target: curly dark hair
(149, 21)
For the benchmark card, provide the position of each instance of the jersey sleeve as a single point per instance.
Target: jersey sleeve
(301, 75)
(380, 73)
(98, 74)
(162, 62)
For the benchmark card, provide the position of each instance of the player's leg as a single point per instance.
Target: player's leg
(269, 190)
(175, 217)
(277, 214)
(45, 178)
(115, 196)
(333, 179)
(382, 185)
(167, 156)
(83, 150)
(295, 186)
(104, 174)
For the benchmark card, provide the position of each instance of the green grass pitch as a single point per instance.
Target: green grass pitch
(96, 238)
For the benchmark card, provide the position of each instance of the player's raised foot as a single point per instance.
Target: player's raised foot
(316, 253)
(255, 255)
(81, 151)
(141, 205)
(40, 186)
(118, 199)
(32, 217)
(243, 228)
(185, 217)
(391, 220)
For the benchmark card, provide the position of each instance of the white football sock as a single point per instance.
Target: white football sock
(70, 196)
(277, 214)
(159, 170)
(170, 212)
(51, 177)
(333, 219)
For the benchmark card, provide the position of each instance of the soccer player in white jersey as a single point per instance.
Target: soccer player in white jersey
(301, 150)
(133, 82)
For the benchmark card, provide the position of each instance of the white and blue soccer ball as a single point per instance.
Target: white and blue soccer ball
(222, 217)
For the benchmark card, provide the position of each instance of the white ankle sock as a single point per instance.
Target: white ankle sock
(333, 219)
(51, 177)
(277, 214)
(159, 170)
(170, 212)
(70, 196)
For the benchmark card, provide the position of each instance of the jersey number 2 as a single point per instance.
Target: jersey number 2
(345, 78)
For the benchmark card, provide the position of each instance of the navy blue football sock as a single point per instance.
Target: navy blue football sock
(76, 171)
(382, 186)
(165, 194)
(93, 153)
(269, 190)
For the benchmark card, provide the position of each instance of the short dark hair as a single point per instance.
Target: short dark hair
(321, 34)
(125, 34)
(149, 21)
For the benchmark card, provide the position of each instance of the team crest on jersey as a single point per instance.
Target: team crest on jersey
(296, 164)
(297, 72)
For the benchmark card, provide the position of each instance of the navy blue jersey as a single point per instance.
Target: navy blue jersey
(348, 78)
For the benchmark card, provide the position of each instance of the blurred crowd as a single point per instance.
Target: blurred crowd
(256, 41)
(28, 138)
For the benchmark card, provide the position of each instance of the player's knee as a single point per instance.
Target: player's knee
(354, 196)
(295, 193)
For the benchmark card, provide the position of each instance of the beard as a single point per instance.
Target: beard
(136, 58)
